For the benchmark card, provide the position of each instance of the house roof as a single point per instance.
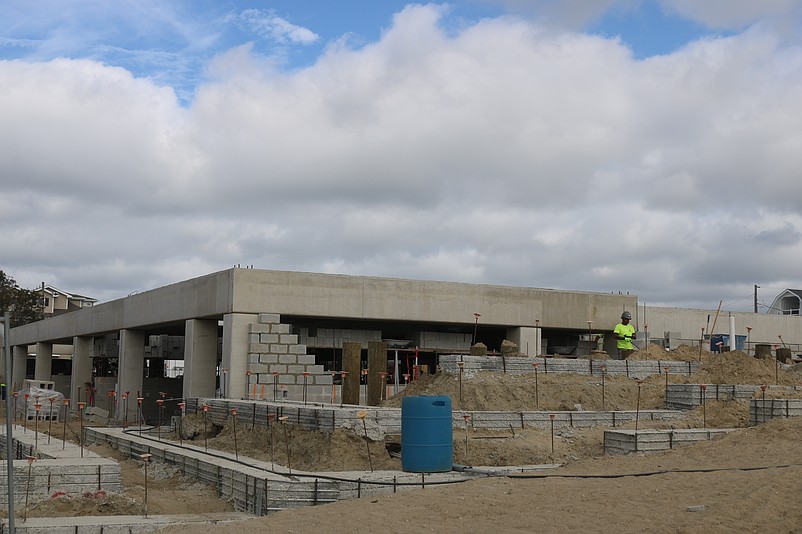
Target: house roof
(72, 296)
(776, 305)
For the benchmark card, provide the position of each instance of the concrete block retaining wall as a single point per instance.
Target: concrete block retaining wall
(387, 421)
(260, 487)
(56, 469)
(251, 489)
(334, 337)
(688, 396)
(628, 441)
(115, 524)
(521, 364)
(761, 410)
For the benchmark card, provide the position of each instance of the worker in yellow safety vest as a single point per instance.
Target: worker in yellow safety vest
(624, 333)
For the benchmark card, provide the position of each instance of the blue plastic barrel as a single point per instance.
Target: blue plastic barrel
(426, 434)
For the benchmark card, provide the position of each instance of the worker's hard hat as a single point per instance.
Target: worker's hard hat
(626, 315)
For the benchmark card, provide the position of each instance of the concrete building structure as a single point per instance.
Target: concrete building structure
(242, 329)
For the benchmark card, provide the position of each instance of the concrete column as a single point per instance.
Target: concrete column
(200, 358)
(81, 367)
(20, 364)
(352, 355)
(44, 361)
(527, 339)
(236, 328)
(377, 362)
(130, 368)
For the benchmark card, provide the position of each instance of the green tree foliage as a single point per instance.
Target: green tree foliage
(24, 305)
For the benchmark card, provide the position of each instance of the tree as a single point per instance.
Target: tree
(25, 305)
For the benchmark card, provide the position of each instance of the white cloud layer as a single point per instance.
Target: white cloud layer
(502, 153)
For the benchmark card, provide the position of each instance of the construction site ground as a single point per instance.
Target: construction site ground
(747, 480)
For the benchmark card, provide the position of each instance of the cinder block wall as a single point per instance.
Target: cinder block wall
(277, 359)
(334, 337)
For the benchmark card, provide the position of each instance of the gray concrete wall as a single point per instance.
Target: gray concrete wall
(360, 297)
(689, 322)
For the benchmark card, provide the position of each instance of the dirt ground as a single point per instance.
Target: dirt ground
(745, 481)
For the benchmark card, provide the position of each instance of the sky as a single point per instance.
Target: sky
(646, 147)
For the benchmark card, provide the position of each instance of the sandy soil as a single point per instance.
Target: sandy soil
(748, 480)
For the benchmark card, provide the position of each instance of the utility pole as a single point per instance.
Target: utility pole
(6, 320)
(756, 288)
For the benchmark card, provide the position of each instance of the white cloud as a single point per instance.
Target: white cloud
(503, 153)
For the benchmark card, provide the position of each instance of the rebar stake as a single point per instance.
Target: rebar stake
(182, 407)
(236, 450)
(461, 368)
(37, 407)
(25, 419)
(50, 420)
(637, 410)
(283, 421)
(551, 419)
(31, 459)
(160, 404)
(66, 413)
(81, 416)
(603, 369)
(111, 412)
(702, 340)
(383, 389)
(467, 418)
(205, 409)
(270, 419)
(125, 409)
(703, 387)
(344, 375)
(139, 415)
(146, 460)
(362, 414)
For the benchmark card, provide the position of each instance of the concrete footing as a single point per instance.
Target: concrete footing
(524, 364)
(761, 410)
(261, 487)
(55, 469)
(387, 421)
(118, 524)
(628, 441)
(689, 396)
